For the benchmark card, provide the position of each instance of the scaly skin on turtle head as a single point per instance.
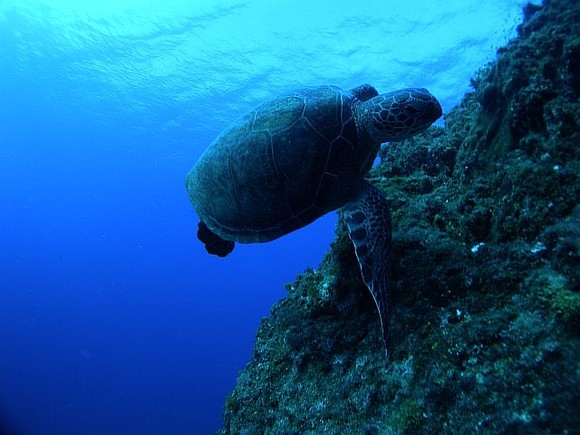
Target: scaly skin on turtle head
(398, 115)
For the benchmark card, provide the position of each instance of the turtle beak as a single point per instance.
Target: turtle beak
(432, 109)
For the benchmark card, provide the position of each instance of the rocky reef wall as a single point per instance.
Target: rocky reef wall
(486, 248)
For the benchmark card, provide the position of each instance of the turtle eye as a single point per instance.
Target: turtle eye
(412, 111)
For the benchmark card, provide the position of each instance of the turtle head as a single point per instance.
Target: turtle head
(398, 115)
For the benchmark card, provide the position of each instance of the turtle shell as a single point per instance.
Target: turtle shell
(281, 166)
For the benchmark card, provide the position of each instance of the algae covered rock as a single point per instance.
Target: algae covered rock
(486, 249)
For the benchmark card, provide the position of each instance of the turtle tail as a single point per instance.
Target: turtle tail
(214, 244)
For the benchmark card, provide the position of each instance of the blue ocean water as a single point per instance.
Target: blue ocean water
(113, 319)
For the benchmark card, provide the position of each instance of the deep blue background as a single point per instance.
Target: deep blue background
(113, 320)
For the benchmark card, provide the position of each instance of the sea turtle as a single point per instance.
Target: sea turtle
(300, 156)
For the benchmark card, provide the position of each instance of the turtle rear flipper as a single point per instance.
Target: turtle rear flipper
(214, 244)
(369, 225)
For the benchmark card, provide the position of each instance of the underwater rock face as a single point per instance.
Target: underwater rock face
(486, 248)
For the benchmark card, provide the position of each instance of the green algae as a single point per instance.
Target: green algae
(554, 290)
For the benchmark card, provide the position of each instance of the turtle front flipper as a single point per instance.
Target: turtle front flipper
(369, 225)
(213, 243)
